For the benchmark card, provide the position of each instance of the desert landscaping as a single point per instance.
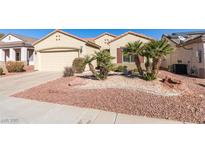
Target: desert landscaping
(184, 102)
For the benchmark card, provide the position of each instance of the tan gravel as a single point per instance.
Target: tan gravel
(104, 95)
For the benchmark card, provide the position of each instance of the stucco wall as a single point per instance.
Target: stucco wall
(122, 43)
(65, 41)
(187, 55)
(56, 56)
(101, 41)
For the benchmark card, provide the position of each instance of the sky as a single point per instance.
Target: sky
(92, 33)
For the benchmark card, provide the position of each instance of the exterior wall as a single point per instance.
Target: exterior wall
(24, 54)
(189, 57)
(48, 60)
(2, 54)
(12, 56)
(10, 38)
(51, 42)
(115, 45)
(102, 41)
(65, 41)
(122, 43)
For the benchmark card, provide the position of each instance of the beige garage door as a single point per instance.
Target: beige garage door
(56, 61)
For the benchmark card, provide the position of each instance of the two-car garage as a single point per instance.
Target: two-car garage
(56, 60)
(58, 50)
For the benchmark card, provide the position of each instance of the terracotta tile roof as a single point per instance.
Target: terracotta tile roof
(132, 33)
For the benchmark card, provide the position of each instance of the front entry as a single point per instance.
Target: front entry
(18, 56)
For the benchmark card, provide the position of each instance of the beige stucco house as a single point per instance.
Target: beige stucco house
(189, 54)
(58, 50)
(15, 47)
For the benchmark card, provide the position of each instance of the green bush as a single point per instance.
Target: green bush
(120, 68)
(78, 65)
(68, 71)
(149, 76)
(1, 71)
(13, 66)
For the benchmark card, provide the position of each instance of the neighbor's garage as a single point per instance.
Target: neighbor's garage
(56, 60)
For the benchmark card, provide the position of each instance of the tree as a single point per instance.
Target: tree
(88, 60)
(104, 61)
(157, 50)
(135, 49)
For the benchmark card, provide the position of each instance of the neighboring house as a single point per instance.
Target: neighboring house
(15, 47)
(117, 45)
(189, 54)
(58, 50)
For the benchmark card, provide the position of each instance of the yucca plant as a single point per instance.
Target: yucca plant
(135, 49)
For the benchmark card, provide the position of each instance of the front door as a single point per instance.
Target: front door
(18, 56)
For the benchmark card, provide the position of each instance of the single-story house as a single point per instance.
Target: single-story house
(15, 47)
(189, 54)
(117, 45)
(58, 50)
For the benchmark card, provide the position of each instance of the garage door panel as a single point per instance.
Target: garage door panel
(56, 61)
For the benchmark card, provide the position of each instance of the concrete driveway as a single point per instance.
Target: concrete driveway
(16, 83)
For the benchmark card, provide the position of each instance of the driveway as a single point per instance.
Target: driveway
(16, 83)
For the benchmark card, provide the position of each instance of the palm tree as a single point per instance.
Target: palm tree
(158, 50)
(88, 60)
(149, 55)
(104, 61)
(135, 49)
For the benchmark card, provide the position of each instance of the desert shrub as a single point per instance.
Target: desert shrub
(149, 76)
(135, 72)
(78, 65)
(1, 71)
(120, 68)
(68, 71)
(15, 66)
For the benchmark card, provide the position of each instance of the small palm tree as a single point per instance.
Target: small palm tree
(88, 60)
(135, 49)
(104, 61)
(158, 50)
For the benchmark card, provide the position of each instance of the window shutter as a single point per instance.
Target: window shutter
(119, 55)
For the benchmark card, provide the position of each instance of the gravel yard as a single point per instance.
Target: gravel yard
(128, 95)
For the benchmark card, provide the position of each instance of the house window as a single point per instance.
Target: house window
(200, 56)
(128, 58)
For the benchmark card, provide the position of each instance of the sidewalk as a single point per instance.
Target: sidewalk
(23, 111)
